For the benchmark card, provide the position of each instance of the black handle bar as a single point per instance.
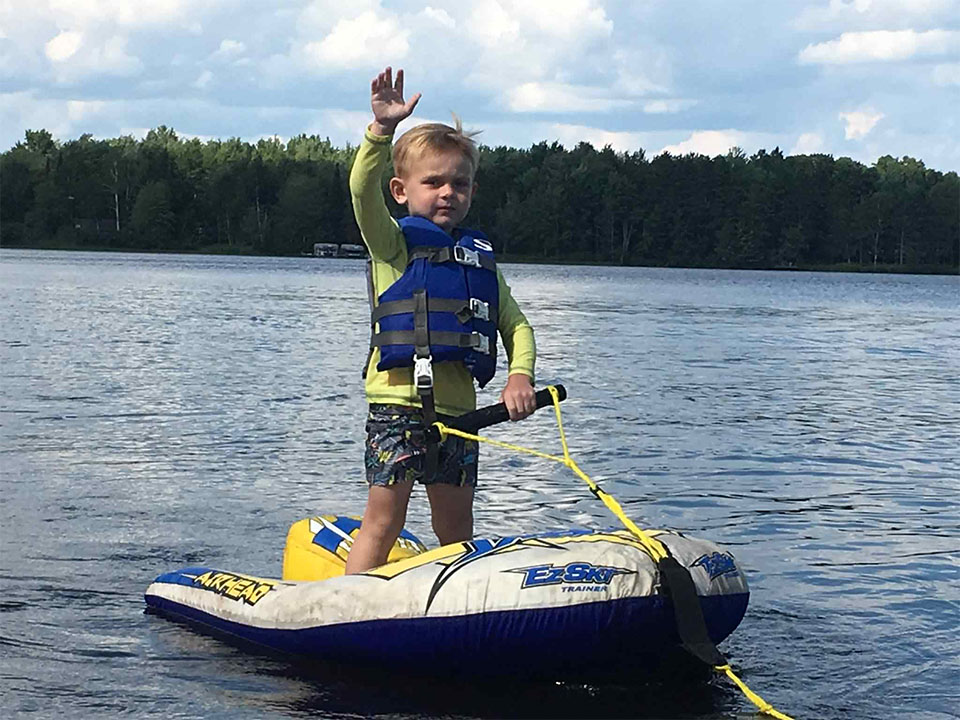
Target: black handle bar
(484, 417)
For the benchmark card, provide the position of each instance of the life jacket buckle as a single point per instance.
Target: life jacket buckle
(480, 309)
(466, 256)
(483, 343)
(423, 373)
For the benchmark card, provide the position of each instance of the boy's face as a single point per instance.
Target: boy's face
(438, 187)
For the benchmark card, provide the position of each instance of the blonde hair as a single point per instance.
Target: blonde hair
(434, 138)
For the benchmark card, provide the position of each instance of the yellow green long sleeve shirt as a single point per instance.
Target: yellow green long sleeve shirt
(454, 390)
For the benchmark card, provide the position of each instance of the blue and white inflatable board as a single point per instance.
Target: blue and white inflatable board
(547, 604)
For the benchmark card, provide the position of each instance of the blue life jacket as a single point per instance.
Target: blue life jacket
(444, 306)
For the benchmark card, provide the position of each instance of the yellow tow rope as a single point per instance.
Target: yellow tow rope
(652, 545)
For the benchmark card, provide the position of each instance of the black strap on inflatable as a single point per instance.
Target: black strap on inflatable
(457, 253)
(687, 612)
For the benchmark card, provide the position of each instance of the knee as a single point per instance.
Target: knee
(382, 527)
(452, 527)
(383, 532)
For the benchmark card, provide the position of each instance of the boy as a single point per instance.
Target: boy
(438, 310)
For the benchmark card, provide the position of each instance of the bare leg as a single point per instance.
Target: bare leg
(451, 508)
(382, 522)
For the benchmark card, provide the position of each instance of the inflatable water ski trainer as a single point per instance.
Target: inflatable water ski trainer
(548, 604)
(574, 604)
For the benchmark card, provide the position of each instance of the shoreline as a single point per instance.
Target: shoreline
(523, 260)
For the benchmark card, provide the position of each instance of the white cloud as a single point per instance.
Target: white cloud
(560, 98)
(112, 58)
(491, 25)
(204, 80)
(229, 49)
(63, 46)
(873, 14)
(642, 71)
(708, 142)
(86, 13)
(563, 19)
(859, 123)
(621, 141)
(24, 110)
(881, 45)
(494, 23)
(667, 106)
(348, 124)
(366, 41)
(320, 16)
(808, 144)
(440, 16)
(946, 75)
(74, 58)
(79, 111)
(518, 41)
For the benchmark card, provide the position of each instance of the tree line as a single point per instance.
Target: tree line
(544, 203)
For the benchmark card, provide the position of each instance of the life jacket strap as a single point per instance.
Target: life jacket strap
(432, 460)
(423, 375)
(464, 310)
(457, 253)
(421, 328)
(470, 341)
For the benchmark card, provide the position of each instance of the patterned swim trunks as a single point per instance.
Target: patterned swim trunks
(396, 450)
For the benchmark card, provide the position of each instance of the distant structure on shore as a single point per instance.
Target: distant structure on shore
(345, 250)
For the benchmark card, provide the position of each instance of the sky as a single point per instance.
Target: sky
(855, 78)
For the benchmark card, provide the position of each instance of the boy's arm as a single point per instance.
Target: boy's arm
(518, 341)
(379, 230)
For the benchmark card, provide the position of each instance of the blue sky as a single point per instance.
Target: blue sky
(857, 78)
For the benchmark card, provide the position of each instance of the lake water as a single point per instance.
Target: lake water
(161, 411)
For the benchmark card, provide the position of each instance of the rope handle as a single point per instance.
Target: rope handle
(484, 417)
(654, 547)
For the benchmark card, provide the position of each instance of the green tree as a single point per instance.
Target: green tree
(299, 217)
(545, 201)
(153, 223)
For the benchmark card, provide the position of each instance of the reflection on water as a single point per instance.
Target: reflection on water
(161, 411)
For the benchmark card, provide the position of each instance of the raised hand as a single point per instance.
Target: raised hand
(386, 99)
